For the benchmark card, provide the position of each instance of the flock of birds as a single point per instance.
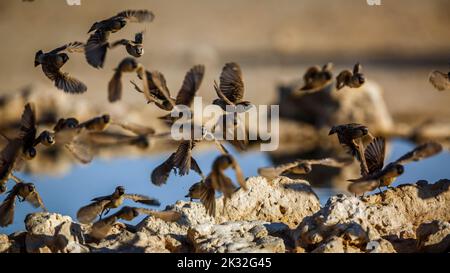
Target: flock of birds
(74, 135)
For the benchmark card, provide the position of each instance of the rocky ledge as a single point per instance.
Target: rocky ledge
(282, 215)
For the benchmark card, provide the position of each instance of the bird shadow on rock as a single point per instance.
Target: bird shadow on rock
(428, 191)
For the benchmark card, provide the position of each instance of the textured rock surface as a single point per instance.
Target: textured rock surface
(281, 200)
(357, 223)
(434, 237)
(5, 244)
(49, 232)
(234, 237)
(409, 218)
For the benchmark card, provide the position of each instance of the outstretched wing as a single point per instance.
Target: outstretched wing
(142, 199)
(28, 122)
(374, 154)
(273, 172)
(183, 157)
(208, 199)
(331, 162)
(137, 16)
(74, 47)
(96, 48)
(81, 151)
(161, 173)
(7, 210)
(63, 81)
(421, 152)
(191, 84)
(231, 83)
(168, 216)
(137, 129)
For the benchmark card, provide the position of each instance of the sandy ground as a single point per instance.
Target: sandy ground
(398, 43)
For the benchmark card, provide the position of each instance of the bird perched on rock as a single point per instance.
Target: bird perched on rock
(217, 180)
(103, 227)
(317, 78)
(98, 43)
(440, 80)
(134, 48)
(301, 167)
(352, 79)
(383, 176)
(24, 192)
(348, 136)
(53, 61)
(104, 204)
(231, 88)
(127, 65)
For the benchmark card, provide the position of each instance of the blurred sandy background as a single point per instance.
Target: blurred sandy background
(398, 43)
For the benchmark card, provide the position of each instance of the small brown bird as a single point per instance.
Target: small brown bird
(160, 93)
(100, 205)
(217, 180)
(231, 88)
(96, 124)
(351, 79)
(191, 84)
(24, 192)
(71, 136)
(301, 167)
(317, 79)
(53, 61)
(348, 134)
(181, 161)
(134, 48)
(103, 227)
(127, 65)
(439, 80)
(22, 146)
(98, 43)
(379, 176)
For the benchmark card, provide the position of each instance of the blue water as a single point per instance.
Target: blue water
(66, 195)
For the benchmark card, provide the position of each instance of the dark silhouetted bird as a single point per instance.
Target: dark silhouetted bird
(439, 80)
(351, 79)
(348, 135)
(24, 192)
(302, 167)
(53, 61)
(134, 48)
(317, 79)
(98, 43)
(103, 227)
(379, 176)
(127, 65)
(104, 204)
(22, 146)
